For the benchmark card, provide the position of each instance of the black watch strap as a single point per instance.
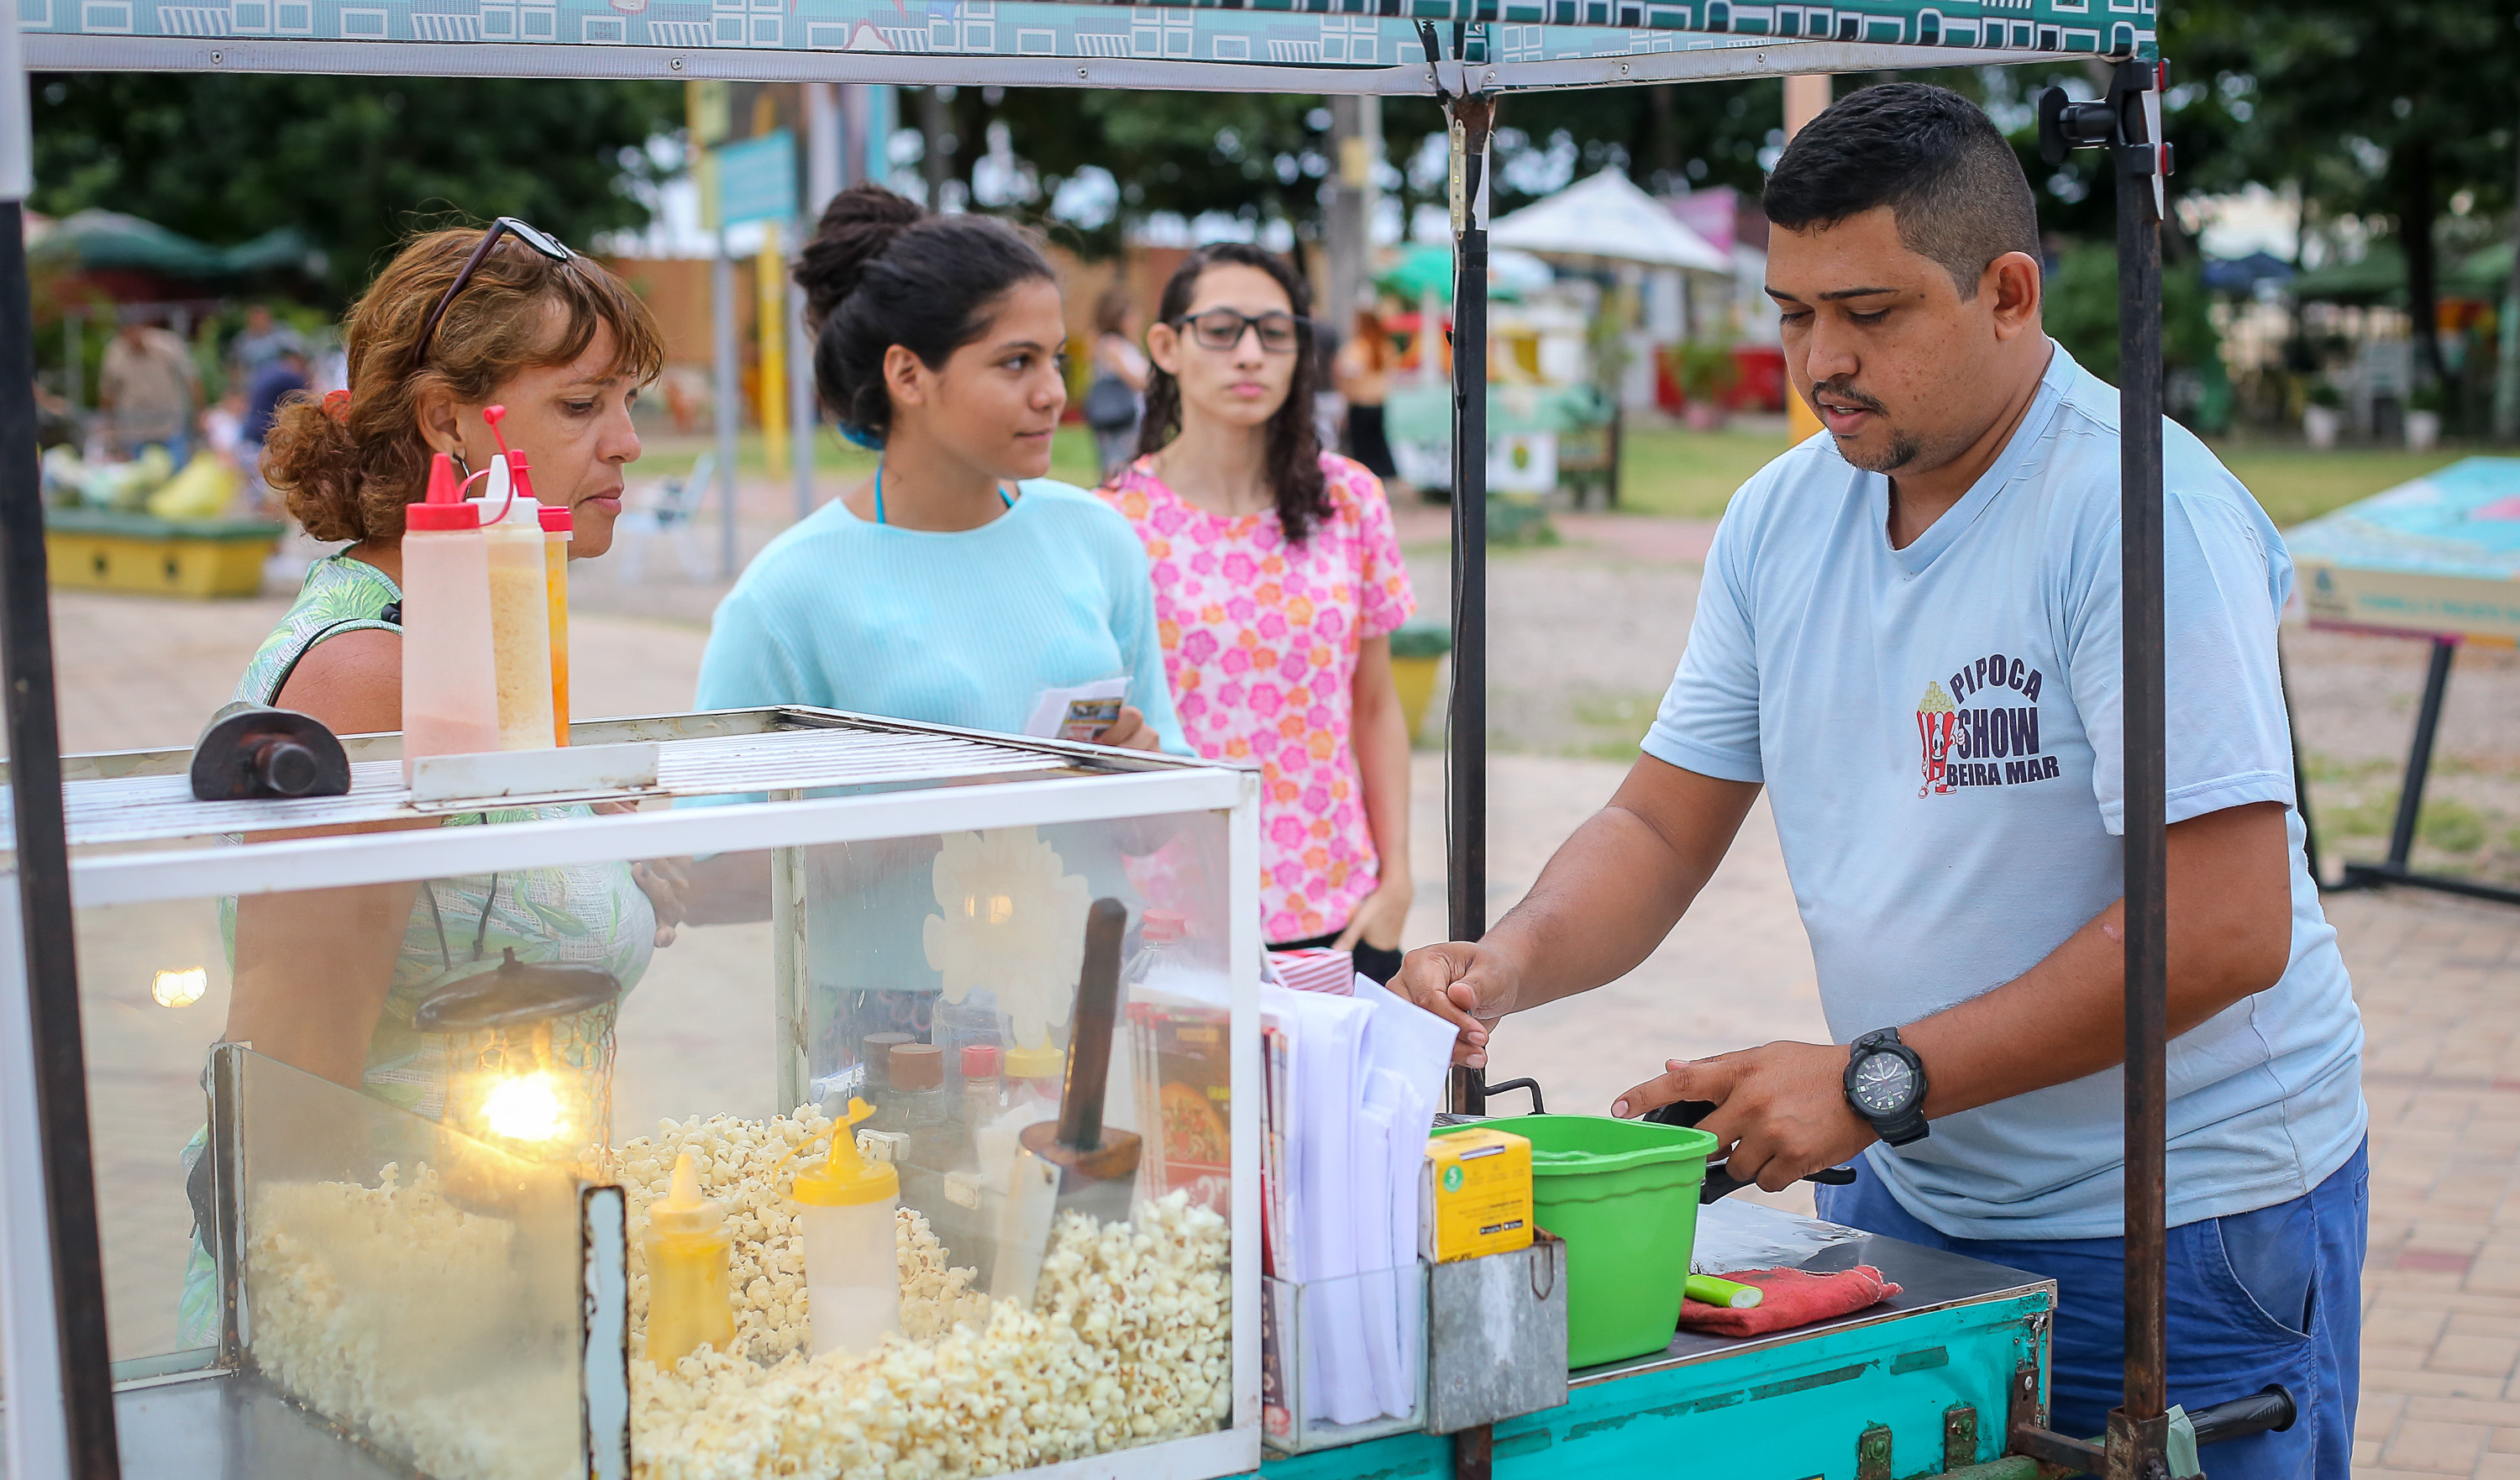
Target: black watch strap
(1909, 1125)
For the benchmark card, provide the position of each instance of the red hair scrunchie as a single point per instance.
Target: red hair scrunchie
(337, 405)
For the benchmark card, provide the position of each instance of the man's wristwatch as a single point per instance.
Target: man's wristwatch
(1885, 1082)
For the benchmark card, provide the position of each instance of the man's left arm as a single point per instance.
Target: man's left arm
(1784, 1108)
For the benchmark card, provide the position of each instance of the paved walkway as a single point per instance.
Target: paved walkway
(2439, 981)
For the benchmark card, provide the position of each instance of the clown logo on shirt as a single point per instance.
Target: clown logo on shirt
(1983, 730)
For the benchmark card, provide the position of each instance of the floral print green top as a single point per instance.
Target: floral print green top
(591, 914)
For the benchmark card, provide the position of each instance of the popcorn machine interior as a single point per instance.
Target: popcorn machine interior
(867, 1160)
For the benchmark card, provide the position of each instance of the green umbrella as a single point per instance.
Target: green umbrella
(1426, 266)
(1423, 267)
(110, 239)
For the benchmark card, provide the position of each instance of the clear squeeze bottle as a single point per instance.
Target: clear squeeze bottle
(557, 527)
(982, 1094)
(450, 691)
(852, 1272)
(689, 1303)
(519, 611)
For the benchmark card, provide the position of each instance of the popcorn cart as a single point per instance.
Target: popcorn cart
(463, 1266)
(459, 1265)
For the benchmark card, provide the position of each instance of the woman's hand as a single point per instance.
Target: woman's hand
(667, 882)
(1131, 731)
(1379, 916)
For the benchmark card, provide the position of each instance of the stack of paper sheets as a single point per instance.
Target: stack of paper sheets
(1354, 1084)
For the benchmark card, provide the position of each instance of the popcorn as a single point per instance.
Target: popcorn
(1130, 1341)
(368, 1306)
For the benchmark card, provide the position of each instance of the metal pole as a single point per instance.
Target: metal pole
(73, 358)
(1346, 230)
(863, 142)
(729, 398)
(935, 159)
(2300, 772)
(2506, 366)
(800, 399)
(824, 150)
(1466, 873)
(2419, 755)
(826, 147)
(2137, 1430)
(60, 1415)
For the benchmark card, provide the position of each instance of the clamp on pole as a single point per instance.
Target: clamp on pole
(1448, 77)
(2125, 121)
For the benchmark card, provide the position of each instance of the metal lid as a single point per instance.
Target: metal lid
(514, 994)
(917, 1066)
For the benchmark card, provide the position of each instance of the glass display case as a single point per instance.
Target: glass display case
(772, 1093)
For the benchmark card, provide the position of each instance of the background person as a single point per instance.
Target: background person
(262, 340)
(958, 582)
(1363, 372)
(1908, 633)
(328, 980)
(1119, 383)
(1278, 583)
(952, 587)
(148, 389)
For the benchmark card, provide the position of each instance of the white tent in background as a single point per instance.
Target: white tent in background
(1608, 218)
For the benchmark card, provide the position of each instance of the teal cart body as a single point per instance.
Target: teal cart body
(1921, 1385)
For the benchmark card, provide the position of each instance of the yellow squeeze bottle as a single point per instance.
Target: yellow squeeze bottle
(558, 527)
(689, 1303)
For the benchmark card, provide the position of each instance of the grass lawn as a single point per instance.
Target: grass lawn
(838, 465)
(2296, 483)
(1681, 473)
(1688, 475)
(1693, 474)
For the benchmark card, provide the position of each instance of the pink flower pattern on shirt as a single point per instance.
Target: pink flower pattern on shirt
(1260, 642)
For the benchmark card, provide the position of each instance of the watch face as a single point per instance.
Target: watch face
(1884, 1084)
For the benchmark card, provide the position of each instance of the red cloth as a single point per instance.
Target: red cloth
(1792, 1298)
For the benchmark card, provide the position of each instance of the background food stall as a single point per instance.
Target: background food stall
(2436, 559)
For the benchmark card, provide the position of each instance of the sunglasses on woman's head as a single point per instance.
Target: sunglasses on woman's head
(505, 226)
(1224, 328)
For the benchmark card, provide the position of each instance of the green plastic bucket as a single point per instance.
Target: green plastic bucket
(1623, 1193)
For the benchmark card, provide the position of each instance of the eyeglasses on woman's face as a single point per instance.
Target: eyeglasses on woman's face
(1222, 328)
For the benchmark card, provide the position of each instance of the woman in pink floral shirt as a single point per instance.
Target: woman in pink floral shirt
(1278, 585)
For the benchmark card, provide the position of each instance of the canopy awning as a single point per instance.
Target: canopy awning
(108, 239)
(1302, 46)
(1608, 218)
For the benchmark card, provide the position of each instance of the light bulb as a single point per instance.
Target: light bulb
(526, 1108)
(180, 989)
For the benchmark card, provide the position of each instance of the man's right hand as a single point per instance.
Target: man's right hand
(1467, 984)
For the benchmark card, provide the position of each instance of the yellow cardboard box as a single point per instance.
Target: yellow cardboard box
(1475, 1194)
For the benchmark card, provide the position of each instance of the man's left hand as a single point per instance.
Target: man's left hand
(1782, 1110)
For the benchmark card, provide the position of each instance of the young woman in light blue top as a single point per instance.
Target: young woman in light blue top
(957, 583)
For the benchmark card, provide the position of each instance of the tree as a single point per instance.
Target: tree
(2373, 110)
(1263, 156)
(355, 163)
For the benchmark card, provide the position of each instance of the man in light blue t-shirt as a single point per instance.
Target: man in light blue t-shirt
(1909, 634)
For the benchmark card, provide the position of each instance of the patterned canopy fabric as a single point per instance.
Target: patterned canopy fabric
(1276, 45)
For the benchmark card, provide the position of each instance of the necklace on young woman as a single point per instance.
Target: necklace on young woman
(1007, 497)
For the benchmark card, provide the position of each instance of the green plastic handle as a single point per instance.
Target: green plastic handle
(1709, 1290)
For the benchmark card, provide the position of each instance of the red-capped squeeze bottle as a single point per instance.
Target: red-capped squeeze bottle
(450, 687)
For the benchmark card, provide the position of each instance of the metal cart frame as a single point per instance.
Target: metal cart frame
(1471, 52)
